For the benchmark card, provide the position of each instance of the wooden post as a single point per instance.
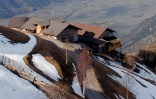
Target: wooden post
(34, 79)
(66, 57)
(66, 47)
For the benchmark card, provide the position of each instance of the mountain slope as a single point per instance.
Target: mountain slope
(9, 8)
(121, 16)
(32, 52)
(143, 34)
(15, 87)
(140, 84)
(23, 52)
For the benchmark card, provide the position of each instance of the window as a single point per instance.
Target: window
(67, 34)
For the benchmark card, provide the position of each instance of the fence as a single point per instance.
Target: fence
(12, 65)
(49, 89)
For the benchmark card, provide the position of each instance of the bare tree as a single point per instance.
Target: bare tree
(84, 63)
(128, 83)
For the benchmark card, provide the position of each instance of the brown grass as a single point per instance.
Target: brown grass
(49, 51)
(148, 55)
(55, 56)
(13, 35)
(54, 92)
(108, 85)
(130, 60)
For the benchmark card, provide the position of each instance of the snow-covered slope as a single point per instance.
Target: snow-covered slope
(13, 87)
(13, 54)
(51, 71)
(17, 52)
(140, 84)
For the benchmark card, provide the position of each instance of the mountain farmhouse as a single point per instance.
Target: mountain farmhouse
(59, 30)
(99, 39)
(102, 39)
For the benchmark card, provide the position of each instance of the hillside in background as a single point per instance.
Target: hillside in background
(141, 35)
(9, 8)
(121, 16)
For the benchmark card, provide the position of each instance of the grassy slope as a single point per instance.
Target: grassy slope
(15, 36)
(49, 51)
(109, 86)
(148, 54)
(55, 56)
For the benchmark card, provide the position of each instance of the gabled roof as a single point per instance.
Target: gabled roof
(97, 30)
(55, 28)
(31, 22)
(44, 23)
(17, 22)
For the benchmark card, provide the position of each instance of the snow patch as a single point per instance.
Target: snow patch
(140, 91)
(18, 51)
(13, 87)
(45, 66)
(75, 84)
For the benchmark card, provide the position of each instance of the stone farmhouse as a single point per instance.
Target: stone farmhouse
(99, 39)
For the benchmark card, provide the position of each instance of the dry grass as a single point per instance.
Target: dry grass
(49, 51)
(13, 35)
(54, 92)
(148, 55)
(55, 56)
(109, 86)
(130, 60)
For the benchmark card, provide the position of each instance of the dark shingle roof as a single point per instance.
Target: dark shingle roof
(31, 22)
(44, 23)
(97, 30)
(55, 28)
(17, 22)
